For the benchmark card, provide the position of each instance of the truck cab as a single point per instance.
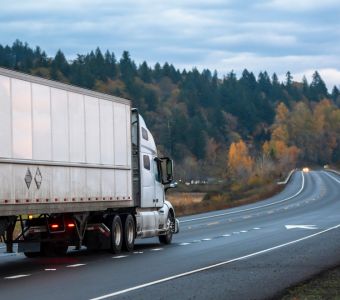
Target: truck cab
(152, 175)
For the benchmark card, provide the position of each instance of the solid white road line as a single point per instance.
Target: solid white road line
(252, 208)
(301, 227)
(329, 175)
(75, 265)
(17, 276)
(213, 266)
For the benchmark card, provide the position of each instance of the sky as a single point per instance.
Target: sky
(299, 36)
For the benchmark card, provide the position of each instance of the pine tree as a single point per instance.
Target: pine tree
(318, 87)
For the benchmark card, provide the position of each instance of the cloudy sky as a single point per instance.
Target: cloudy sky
(273, 35)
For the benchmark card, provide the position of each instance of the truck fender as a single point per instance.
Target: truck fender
(172, 212)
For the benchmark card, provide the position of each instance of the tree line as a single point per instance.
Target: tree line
(198, 117)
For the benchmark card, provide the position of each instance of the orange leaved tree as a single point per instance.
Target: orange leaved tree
(240, 163)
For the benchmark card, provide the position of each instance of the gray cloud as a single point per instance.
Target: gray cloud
(272, 35)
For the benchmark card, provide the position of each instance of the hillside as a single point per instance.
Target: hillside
(200, 118)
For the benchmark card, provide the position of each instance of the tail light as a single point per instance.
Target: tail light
(71, 225)
(56, 224)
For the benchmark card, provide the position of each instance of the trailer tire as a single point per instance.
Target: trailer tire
(50, 249)
(32, 254)
(129, 233)
(116, 235)
(61, 250)
(167, 238)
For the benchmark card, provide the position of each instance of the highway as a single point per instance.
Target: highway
(249, 252)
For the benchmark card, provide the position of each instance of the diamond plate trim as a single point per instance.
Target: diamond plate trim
(28, 178)
(38, 178)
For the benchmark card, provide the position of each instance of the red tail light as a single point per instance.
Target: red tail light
(54, 226)
(71, 225)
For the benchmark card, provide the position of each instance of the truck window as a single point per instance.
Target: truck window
(145, 134)
(146, 162)
(156, 171)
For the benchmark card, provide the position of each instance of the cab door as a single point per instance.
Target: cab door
(147, 181)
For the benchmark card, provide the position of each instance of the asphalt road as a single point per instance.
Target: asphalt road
(250, 252)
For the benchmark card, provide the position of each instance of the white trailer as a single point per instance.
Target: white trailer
(77, 167)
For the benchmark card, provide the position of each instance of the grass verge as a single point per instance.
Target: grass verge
(186, 203)
(324, 286)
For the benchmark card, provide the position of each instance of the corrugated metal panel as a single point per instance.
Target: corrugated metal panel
(59, 146)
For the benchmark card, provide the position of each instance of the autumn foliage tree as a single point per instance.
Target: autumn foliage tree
(278, 148)
(240, 163)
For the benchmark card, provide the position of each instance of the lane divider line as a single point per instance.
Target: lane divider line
(252, 208)
(138, 287)
(120, 256)
(75, 265)
(17, 276)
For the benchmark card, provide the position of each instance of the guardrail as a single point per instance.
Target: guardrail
(288, 177)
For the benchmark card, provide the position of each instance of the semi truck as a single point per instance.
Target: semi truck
(77, 168)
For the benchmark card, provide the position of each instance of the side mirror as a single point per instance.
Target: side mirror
(167, 170)
(171, 186)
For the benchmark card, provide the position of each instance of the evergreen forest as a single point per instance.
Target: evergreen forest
(212, 125)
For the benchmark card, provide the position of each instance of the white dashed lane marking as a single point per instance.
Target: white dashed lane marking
(120, 256)
(217, 237)
(157, 249)
(50, 269)
(17, 276)
(75, 265)
(213, 223)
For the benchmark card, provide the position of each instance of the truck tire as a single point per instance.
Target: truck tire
(167, 238)
(116, 235)
(129, 233)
